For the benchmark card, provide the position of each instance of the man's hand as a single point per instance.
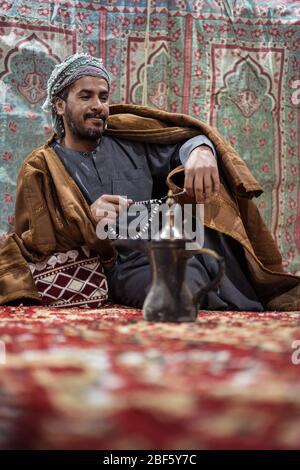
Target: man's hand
(201, 174)
(107, 207)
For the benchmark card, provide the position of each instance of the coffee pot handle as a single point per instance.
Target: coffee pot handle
(213, 284)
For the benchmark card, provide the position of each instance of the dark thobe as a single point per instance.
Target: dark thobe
(138, 170)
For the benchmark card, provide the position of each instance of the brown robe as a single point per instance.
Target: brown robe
(52, 214)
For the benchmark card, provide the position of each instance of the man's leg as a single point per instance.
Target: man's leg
(130, 281)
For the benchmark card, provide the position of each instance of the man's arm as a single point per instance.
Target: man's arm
(199, 158)
(197, 141)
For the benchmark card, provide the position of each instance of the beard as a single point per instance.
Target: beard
(79, 130)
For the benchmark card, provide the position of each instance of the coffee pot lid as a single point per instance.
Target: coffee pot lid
(172, 228)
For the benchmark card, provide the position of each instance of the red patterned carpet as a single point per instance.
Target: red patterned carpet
(105, 379)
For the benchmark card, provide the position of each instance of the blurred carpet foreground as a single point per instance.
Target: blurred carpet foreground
(106, 379)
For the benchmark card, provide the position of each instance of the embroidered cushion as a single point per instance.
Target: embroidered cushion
(72, 279)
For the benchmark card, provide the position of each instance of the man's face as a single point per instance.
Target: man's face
(86, 109)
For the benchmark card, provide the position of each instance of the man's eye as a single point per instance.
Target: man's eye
(84, 97)
(104, 98)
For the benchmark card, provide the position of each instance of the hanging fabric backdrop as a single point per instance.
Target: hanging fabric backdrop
(234, 64)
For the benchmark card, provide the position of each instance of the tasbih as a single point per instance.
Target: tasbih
(152, 205)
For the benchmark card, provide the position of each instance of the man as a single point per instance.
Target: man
(104, 168)
(83, 172)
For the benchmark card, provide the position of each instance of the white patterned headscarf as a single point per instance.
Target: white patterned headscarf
(67, 72)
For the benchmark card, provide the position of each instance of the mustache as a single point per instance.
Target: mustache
(95, 116)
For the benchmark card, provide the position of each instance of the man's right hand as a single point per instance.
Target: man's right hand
(107, 208)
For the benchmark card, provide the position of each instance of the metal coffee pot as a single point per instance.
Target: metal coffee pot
(169, 298)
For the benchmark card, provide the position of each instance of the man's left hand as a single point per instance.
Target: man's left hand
(201, 174)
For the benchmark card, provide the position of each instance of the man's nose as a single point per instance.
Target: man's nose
(96, 104)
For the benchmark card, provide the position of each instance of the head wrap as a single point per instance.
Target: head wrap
(67, 72)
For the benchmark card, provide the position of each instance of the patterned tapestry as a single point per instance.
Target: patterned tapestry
(234, 64)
